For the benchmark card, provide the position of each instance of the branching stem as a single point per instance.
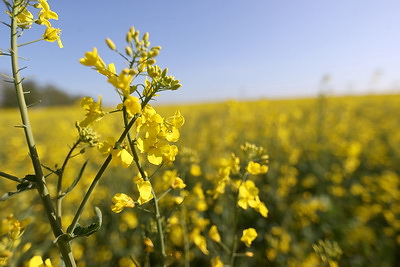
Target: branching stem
(65, 248)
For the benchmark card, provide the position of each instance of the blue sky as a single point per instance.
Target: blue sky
(223, 49)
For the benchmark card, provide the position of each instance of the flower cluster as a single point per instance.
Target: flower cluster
(25, 19)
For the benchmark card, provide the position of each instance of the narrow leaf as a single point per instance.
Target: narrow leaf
(77, 179)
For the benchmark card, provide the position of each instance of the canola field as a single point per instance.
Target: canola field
(330, 196)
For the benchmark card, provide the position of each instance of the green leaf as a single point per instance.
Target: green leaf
(77, 179)
(88, 230)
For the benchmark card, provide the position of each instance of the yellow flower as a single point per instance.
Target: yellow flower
(121, 157)
(132, 105)
(145, 192)
(154, 150)
(24, 17)
(45, 13)
(121, 201)
(199, 241)
(37, 261)
(92, 58)
(16, 227)
(195, 170)
(247, 194)
(216, 262)
(214, 235)
(122, 82)
(94, 111)
(248, 236)
(178, 183)
(256, 168)
(52, 34)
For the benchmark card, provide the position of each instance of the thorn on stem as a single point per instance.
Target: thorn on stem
(33, 104)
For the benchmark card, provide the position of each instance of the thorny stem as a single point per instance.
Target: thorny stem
(155, 199)
(65, 247)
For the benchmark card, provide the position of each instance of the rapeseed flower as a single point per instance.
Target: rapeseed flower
(53, 34)
(45, 13)
(121, 201)
(248, 236)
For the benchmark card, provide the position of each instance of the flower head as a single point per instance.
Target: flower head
(248, 236)
(121, 201)
(52, 34)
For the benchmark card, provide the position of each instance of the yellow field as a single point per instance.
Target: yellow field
(332, 189)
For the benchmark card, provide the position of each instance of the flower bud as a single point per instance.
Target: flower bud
(110, 44)
(128, 37)
(146, 37)
(151, 61)
(176, 86)
(128, 50)
(249, 254)
(132, 30)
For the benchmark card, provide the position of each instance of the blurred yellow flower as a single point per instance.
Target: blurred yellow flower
(214, 234)
(37, 261)
(248, 236)
(256, 168)
(216, 262)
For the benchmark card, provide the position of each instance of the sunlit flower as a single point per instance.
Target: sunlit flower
(52, 34)
(45, 13)
(132, 105)
(121, 201)
(93, 59)
(145, 191)
(24, 17)
(94, 112)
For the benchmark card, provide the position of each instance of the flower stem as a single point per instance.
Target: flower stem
(65, 248)
(97, 179)
(59, 183)
(157, 213)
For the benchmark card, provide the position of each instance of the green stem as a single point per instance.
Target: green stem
(235, 239)
(59, 183)
(97, 179)
(155, 199)
(65, 248)
(11, 177)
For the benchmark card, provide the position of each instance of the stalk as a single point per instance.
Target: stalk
(97, 179)
(64, 247)
(157, 213)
